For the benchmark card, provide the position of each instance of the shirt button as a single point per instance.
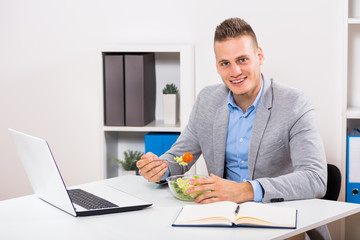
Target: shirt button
(242, 162)
(242, 116)
(241, 139)
(244, 180)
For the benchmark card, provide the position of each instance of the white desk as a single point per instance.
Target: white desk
(30, 218)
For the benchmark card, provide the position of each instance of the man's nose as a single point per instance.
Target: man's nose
(235, 70)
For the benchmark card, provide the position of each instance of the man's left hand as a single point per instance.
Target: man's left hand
(220, 189)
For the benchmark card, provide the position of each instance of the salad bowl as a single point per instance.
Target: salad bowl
(178, 185)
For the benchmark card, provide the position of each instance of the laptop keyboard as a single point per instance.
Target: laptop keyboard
(89, 201)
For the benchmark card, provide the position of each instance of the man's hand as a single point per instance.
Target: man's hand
(151, 169)
(219, 189)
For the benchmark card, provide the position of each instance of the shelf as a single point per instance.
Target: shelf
(353, 20)
(173, 64)
(154, 126)
(148, 48)
(353, 113)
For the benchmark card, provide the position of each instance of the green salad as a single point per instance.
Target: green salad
(180, 186)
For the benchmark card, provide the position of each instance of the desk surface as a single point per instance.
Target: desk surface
(30, 218)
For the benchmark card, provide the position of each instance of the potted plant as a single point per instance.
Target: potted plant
(170, 102)
(128, 165)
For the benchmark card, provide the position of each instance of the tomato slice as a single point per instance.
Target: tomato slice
(187, 157)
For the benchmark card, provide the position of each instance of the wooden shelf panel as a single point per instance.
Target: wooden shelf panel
(353, 113)
(148, 48)
(353, 20)
(154, 126)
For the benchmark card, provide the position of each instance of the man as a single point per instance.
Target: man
(258, 137)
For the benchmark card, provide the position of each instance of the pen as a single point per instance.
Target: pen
(237, 210)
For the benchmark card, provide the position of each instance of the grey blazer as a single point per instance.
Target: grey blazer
(286, 153)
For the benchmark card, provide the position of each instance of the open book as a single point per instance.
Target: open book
(226, 213)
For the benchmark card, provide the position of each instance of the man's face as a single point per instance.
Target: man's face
(238, 63)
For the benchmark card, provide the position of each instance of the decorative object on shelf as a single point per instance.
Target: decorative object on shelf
(170, 89)
(128, 165)
(140, 89)
(159, 142)
(171, 103)
(129, 88)
(114, 94)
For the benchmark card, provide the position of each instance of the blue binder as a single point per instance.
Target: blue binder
(159, 142)
(353, 169)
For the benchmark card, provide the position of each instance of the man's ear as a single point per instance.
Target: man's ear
(260, 56)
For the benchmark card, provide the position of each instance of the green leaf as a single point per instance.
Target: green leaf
(170, 89)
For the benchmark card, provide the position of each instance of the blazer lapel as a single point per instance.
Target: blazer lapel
(220, 126)
(259, 125)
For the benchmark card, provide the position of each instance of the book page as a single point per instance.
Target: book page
(221, 213)
(266, 215)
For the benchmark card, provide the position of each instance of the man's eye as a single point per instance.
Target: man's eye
(242, 60)
(224, 64)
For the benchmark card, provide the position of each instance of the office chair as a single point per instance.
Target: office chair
(333, 183)
(332, 193)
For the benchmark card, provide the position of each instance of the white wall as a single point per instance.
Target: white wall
(50, 76)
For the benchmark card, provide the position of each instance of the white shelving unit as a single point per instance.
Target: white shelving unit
(173, 64)
(351, 93)
(351, 99)
(352, 58)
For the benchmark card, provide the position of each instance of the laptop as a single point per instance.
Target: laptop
(47, 182)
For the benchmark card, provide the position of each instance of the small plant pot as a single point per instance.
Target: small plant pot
(129, 172)
(121, 172)
(170, 102)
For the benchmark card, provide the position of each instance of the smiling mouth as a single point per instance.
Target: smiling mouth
(238, 80)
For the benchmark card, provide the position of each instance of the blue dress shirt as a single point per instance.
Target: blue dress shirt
(238, 143)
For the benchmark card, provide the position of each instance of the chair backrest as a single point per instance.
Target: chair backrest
(333, 183)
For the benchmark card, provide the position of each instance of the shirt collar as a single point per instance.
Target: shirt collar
(231, 101)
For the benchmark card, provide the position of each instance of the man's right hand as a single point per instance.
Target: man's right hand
(151, 167)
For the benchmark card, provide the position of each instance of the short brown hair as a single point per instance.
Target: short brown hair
(233, 28)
